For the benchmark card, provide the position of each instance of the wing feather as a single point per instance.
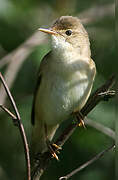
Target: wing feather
(38, 84)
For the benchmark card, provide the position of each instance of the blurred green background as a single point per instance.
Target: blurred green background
(18, 21)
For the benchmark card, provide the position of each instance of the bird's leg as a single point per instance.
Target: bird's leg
(53, 148)
(80, 118)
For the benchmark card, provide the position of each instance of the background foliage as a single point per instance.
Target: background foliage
(18, 20)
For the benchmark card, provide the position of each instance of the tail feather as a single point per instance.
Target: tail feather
(39, 145)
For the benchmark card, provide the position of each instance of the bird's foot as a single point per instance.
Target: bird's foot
(80, 119)
(53, 148)
(57, 147)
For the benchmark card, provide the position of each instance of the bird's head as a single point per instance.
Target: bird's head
(68, 33)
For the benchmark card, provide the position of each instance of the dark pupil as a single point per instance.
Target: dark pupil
(68, 32)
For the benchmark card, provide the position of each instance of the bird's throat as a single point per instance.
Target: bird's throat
(65, 52)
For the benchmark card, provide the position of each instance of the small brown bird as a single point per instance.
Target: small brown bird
(65, 80)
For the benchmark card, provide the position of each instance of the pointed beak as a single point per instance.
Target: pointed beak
(48, 31)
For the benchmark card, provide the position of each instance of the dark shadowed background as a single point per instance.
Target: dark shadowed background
(18, 21)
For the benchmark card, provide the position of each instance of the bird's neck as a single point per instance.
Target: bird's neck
(63, 52)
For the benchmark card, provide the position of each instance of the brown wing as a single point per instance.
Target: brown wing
(40, 76)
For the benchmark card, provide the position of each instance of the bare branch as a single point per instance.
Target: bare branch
(19, 124)
(98, 156)
(10, 97)
(8, 112)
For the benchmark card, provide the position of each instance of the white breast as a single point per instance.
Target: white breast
(64, 90)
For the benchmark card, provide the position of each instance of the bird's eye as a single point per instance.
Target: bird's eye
(68, 32)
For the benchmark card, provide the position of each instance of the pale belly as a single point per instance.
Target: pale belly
(58, 98)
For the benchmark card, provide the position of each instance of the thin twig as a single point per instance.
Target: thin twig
(8, 112)
(10, 97)
(105, 130)
(19, 124)
(98, 156)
